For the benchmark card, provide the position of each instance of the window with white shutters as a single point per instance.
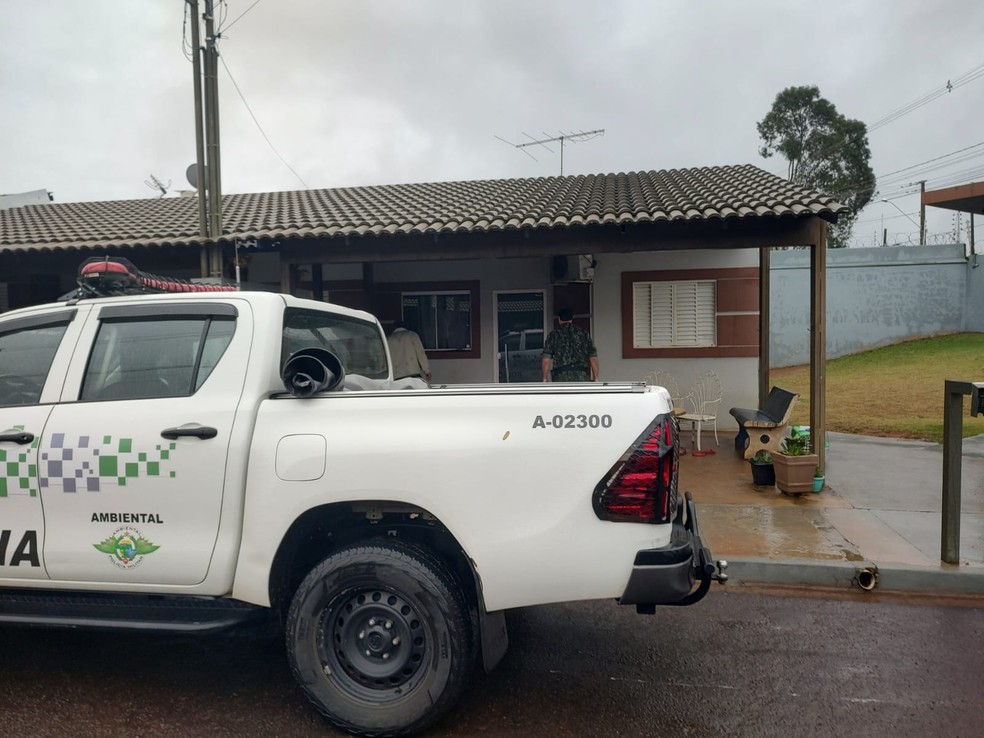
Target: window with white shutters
(672, 314)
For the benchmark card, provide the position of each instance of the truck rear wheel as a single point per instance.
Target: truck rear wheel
(378, 636)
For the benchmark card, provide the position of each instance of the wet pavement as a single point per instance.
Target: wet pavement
(880, 509)
(735, 664)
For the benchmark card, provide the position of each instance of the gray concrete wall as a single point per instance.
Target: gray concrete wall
(875, 297)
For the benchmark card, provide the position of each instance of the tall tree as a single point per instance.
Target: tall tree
(825, 151)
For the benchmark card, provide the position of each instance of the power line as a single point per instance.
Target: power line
(258, 126)
(223, 14)
(224, 27)
(186, 48)
(937, 92)
(928, 161)
(909, 191)
(957, 177)
(969, 158)
(886, 217)
(898, 176)
(963, 79)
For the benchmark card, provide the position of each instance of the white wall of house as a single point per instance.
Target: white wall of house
(493, 275)
(739, 376)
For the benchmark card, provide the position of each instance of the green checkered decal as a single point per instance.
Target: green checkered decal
(19, 469)
(90, 463)
(86, 465)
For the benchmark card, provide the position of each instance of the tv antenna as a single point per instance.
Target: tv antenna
(576, 137)
(155, 184)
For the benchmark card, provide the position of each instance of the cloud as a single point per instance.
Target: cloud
(98, 95)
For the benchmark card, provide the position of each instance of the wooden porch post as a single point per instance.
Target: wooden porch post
(288, 277)
(368, 288)
(818, 340)
(765, 328)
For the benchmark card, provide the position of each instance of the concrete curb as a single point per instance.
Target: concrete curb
(849, 574)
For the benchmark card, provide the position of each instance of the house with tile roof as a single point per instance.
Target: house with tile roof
(18, 199)
(664, 268)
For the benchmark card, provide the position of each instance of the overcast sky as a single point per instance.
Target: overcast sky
(97, 95)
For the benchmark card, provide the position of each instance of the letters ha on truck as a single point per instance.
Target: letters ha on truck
(207, 458)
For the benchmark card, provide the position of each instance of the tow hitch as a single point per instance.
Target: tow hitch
(703, 568)
(708, 570)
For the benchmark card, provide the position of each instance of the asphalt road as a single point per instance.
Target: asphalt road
(737, 664)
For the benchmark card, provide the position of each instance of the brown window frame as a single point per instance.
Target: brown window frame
(387, 297)
(737, 313)
(445, 288)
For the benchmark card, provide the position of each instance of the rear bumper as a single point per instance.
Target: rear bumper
(667, 575)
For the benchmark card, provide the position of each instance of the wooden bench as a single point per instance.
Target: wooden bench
(768, 425)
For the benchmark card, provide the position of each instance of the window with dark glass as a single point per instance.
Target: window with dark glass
(141, 358)
(25, 358)
(441, 319)
(358, 344)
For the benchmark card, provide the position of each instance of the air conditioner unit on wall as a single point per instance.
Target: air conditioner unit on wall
(585, 267)
(578, 268)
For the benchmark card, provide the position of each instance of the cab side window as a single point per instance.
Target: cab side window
(25, 358)
(358, 344)
(170, 356)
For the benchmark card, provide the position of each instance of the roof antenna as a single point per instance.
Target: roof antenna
(155, 184)
(576, 137)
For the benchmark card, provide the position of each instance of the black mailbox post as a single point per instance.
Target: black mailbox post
(977, 399)
(952, 460)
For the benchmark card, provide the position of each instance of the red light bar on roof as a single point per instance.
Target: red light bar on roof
(103, 276)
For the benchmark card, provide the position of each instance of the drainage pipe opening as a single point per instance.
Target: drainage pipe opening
(867, 579)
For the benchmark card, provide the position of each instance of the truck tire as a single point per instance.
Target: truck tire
(378, 637)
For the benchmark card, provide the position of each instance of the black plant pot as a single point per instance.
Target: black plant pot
(763, 474)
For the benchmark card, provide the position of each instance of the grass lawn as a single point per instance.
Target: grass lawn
(893, 391)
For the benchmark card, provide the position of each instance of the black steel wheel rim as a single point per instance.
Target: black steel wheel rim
(374, 642)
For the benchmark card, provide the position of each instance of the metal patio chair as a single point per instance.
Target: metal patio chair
(704, 403)
(664, 379)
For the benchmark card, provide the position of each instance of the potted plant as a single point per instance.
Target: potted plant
(763, 472)
(818, 479)
(795, 465)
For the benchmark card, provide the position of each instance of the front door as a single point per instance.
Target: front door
(519, 326)
(577, 297)
(133, 460)
(28, 347)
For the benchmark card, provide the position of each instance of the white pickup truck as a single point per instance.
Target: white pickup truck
(189, 461)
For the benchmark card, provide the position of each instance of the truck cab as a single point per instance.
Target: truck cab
(198, 459)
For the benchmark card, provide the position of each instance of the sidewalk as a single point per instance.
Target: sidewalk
(880, 511)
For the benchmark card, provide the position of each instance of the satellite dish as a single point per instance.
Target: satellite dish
(191, 174)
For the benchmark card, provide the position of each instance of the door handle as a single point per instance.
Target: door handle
(198, 431)
(18, 437)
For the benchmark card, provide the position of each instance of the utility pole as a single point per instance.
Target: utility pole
(208, 168)
(922, 213)
(196, 65)
(211, 58)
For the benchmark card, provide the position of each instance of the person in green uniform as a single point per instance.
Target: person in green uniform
(569, 354)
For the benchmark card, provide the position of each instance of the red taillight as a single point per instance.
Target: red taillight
(641, 487)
